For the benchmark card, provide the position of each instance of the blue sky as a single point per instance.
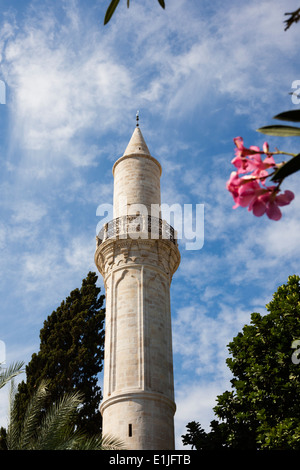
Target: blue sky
(201, 73)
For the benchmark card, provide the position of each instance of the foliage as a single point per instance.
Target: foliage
(113, 5)
(294, 18)
(200, 440)
(71, 355)
(12, 371)
(292, 165)
(263, 409)
(55, 429)
(7, 375)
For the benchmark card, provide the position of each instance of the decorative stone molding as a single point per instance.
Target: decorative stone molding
(138, 394)
(113, 254)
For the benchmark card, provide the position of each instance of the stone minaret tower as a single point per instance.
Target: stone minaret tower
(137, 255)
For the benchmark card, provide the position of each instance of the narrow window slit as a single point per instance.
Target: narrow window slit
(130, 430)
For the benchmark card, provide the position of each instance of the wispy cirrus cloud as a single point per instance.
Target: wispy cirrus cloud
(58, 96)
(217, 58)
(66, 90)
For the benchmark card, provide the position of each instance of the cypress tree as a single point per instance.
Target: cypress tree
(71, 355)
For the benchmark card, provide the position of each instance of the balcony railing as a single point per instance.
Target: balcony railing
(137, 226)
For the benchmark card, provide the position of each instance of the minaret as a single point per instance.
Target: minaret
(137, 255)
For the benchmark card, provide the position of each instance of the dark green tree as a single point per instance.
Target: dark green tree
(71, 355)
(200, 440)
(3, 434)
(263, 409)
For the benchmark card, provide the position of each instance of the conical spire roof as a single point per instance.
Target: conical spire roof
(137, 144)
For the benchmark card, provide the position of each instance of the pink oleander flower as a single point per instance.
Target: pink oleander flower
(260, 200)
(262, 167)
(243, 189)
(240, 150)
(249, 190)
(249, 160)
(233, 185)
(243, 164)
(269, 201)
(266, 147)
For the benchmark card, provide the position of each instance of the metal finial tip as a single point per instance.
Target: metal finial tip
(137, 118)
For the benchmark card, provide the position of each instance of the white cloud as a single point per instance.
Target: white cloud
(201, 339)
(195, 402)
(62, 92)
(79, 255)
(217, 58)
(2, 235)
(28, 211)
(211, 292)
(286, 246)
(280, 241)
(60, 95)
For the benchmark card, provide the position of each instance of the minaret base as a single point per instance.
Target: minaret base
(141, 420)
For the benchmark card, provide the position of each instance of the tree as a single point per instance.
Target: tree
(200, 440)
(71, 355)
(55, 429)
(263, 409)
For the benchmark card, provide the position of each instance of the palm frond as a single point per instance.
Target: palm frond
(13, 431)
(12, 371)
(112, 443)
(100, 442)
(24, 436)
(57, 428)
(53, 428)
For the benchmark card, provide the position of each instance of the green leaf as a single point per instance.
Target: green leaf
(282, 131)
(287, 169)
(162, 3)
(293, 116)
(110, 11)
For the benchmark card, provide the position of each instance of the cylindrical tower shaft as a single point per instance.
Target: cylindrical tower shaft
(136, 179)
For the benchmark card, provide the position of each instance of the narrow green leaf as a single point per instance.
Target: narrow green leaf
(293, 116)
(287, 169)
(162, 3)
(110, 11)
(12, 371)
(282, 131)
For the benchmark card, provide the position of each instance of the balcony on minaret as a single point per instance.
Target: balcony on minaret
(137, 227)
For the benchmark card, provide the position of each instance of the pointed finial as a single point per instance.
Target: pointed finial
(137, 118)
